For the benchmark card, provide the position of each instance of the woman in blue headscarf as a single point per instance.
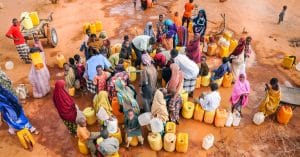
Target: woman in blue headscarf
(170, 33)
(200, 23)
(12, 112)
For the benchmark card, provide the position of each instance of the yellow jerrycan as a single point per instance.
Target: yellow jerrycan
(83, 149)
(182, 142)
(199, 113)
(169, 142)
(155, 141)
(34, 18)
(170, 127)
(90, 115)
(188, 110)
(25, 138)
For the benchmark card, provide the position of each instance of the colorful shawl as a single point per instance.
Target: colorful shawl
(101, 100)
(240, 48)
(193, 49)
(200, 23)
(240, 88)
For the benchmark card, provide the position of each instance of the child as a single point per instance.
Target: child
(272, 99)
(69, 76)
(133, 128)
(100, 78)
(222, 69)
(80, 69)
(37, 43)
(203, 67)
(176, 19)
(85, 136)
(281, 15)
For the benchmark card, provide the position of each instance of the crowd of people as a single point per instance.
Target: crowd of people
(104, 75)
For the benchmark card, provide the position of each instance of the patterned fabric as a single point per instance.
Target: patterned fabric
(72, 127)
(174, 106)
(182, 36)
(91, 87)
(23, 50)
(6, 82)
(40, 80)
(111, 84)
(189, 84)
(100, 81)
(271, 102)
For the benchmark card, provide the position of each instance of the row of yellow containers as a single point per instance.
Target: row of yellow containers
(171, 142)
(94, 27)
(225, 81)
(224, 51)
(189, 110)
(30, 19)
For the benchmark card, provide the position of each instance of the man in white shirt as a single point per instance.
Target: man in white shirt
(189, 68)
(210, 101)
(142, 43)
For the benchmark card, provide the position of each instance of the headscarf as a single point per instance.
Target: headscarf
(160, 59)
(146, 59)
(200, 23)
(149, 31)
(126, 96)
(101, 100)
(240, 48)
(159, 106)
(63, 102)
(176, 79)
(240, 88)
(170, 29)
(193, 49)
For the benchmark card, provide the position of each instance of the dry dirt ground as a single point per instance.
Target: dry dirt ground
(259, 17)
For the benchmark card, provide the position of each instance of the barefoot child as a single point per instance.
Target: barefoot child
(133, 128)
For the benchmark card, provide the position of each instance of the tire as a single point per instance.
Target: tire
(53, 37)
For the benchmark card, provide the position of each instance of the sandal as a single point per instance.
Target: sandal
(35, 132)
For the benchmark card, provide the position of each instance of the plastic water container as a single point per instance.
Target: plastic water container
(112, 125)
(60, 59)
(72, 91)
(224, 51)
(198, 82)
(83, 149)
(37, 60)
(93, 28)
(198, 113)
(170, 127)
(169, 142)
(116, 48)
(182, 142)
(258, 118)
(236, 119)
(184, 96)
(211, 49)
(220, 118)
(156, 125)
(34, 18)
(26, 23)
(21, 91)
(205, 80)
(132, 73)
(9, 65)
(229, 120)
(188, 110)
(227, 80)
(155, 141)
(233, 45)
(99, 26)
(85, 27)
(145, 118)
(208, 141)
(285, 114)
(89, 113)
(25, 138)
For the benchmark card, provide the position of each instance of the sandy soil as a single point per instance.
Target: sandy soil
(120, 18)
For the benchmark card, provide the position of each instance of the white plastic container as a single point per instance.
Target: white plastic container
(27, 23)
(258, 118)
(112, 125)
(156, 125)
(145, 118)
(236, 119)
(102, 114)
(208, 141)
(229, 120)
(9, 65)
